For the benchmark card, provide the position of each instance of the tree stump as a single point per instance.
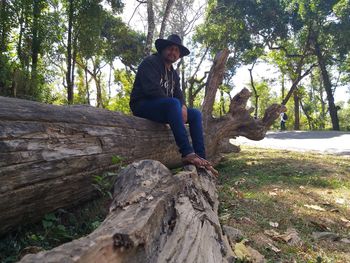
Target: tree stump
(155, 216)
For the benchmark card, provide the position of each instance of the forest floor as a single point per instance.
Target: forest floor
(289, 206)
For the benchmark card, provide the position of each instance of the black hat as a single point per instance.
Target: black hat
(171, 40)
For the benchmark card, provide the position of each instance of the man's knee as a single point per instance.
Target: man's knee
(172, 103)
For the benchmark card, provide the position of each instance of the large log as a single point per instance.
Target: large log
(155, 217)
(49, 154)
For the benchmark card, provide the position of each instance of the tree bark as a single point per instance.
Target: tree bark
(35, 34)
(254, 89)
(51, 153)
(282, 85)
(323, 107)
(155, 217)
(4, 27)
(87, 86)
(151, 27)
(309, 118)
(20, 37)
(215, 78)
(69, 74)
(328, 87)
(296, 110)
(167, 10)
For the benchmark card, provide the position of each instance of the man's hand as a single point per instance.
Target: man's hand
(184, 113)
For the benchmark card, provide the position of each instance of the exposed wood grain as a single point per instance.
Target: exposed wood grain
(155, 217)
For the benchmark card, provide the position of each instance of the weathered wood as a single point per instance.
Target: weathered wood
(155, 217)
(49, 154)
(48, 150)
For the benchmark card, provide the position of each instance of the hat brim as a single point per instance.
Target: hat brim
(163, 43)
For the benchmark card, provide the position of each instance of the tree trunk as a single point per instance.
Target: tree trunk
(309, 118)
(35, 35)
(323, 108)
(51, 153)
(70, 72)
(151, 27)
(254, 90)
(282, 85)
(328, 87)
(98, 92)
(35, 46)
(166, 15)
(222, 104)
(155, 217)
(87, 86)
(3, 45)
(20, 37)
(215, 78)
(109, 81)
(4, 27)
(296, 110)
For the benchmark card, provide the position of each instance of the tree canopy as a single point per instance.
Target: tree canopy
(69, 52)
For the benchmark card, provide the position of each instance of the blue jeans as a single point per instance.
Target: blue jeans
(169, 110)
(283, 125)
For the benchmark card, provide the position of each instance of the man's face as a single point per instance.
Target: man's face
(171, 53)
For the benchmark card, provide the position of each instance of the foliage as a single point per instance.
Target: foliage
(266, 97)
(104, 183)
(122, 42)
(125, 81)
(344, 116)
(35, 51)
(34, 47)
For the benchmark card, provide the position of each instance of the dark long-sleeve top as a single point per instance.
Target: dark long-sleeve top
(153, 81)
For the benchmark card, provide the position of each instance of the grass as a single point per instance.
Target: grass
(260, 186)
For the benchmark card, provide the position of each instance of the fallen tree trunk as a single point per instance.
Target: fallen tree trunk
(155, 217)
(49, 154)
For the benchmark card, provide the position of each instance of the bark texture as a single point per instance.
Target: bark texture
(155, 217)
(49, 154)
(333, 112)
(166, 15)
(151, 27)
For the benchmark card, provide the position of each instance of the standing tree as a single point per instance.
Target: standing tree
(326, 22)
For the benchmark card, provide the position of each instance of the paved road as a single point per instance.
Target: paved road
(330, 142)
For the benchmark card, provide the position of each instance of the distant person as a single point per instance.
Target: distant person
(156, 95)
(284, 118)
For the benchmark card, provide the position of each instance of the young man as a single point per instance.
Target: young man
(157, 96)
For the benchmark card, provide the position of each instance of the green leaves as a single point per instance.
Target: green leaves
(104, 183)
